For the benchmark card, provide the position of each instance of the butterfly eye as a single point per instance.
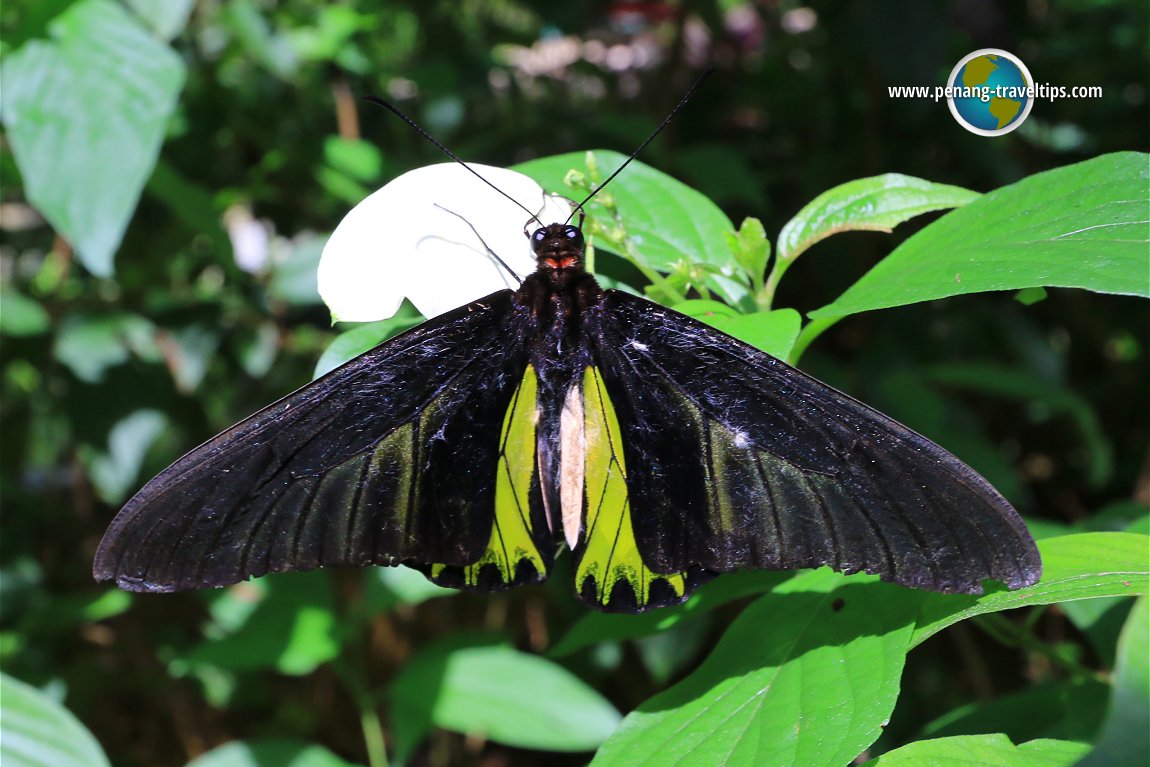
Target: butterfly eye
(539, 235)
(571, 233)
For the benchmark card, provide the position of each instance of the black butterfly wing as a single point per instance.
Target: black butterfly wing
(736, 460)
(411, 453)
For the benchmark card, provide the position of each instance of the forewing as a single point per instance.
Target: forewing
(395, 457)
(737, 460)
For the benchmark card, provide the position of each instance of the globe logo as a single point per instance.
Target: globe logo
(990, 92)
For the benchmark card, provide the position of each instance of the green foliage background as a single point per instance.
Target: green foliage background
(144, 140)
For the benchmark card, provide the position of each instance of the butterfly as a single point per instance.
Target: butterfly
(556, 414)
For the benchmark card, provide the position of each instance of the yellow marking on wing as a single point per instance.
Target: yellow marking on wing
(511, 530)
(724, 454)
(393, 456)
(611, 553)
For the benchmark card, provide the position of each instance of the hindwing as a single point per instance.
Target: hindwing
(611, 572)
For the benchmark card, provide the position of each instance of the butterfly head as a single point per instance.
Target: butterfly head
(558, 246)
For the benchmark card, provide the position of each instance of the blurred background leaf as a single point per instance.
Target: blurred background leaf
(36, 731)
(493, 691)
(267, 752)
(1124, 740)
(984, 750)
(85, 113)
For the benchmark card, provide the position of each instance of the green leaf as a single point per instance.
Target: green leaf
(1065, 710)
(21, 315)
(1029, 388)
(594, 627)
(258, 348)
(774, 332)
(751, 248)
(191, 354)
(91, 344)
(356, 158)
(877, 204)
(1101, 620)
(111, 603)
(36, 731)
(167, 18)
(664, 654)
(982, 751)
(667, 222)
(1141, 525)
(808, 674)
(387, 587)
(496, 692)
(250, 27)
(265, 752)
(341, 186)
(285, 621)
(85, 114)
(1080, 566)
(1125, 738)
(329, 36)
(1129, 516)
(192, 204)
(1030, 296)
(1118, 517)
(114, 470)
(1082, 226)
(294, 265)
(362, 337)
(705, 309)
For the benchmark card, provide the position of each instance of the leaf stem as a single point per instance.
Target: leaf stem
(759, 292)
(657, 280)
(369, 723)
(809, 333)
(670, 295)
(1001, 629)
(589, 182)
(766, 296)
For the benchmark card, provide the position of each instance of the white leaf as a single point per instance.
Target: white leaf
(412, 239)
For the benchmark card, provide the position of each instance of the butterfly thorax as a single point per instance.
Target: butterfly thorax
(560, 291)
(559, 298)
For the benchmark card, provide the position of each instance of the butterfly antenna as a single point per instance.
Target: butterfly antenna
(682, 103)
(419, 129)
(486, 247)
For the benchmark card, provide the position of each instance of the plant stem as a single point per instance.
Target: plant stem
(373, 737)
(766, 296)
(368, 718)
(809, 333)
(657, 280)
(1006, 632)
